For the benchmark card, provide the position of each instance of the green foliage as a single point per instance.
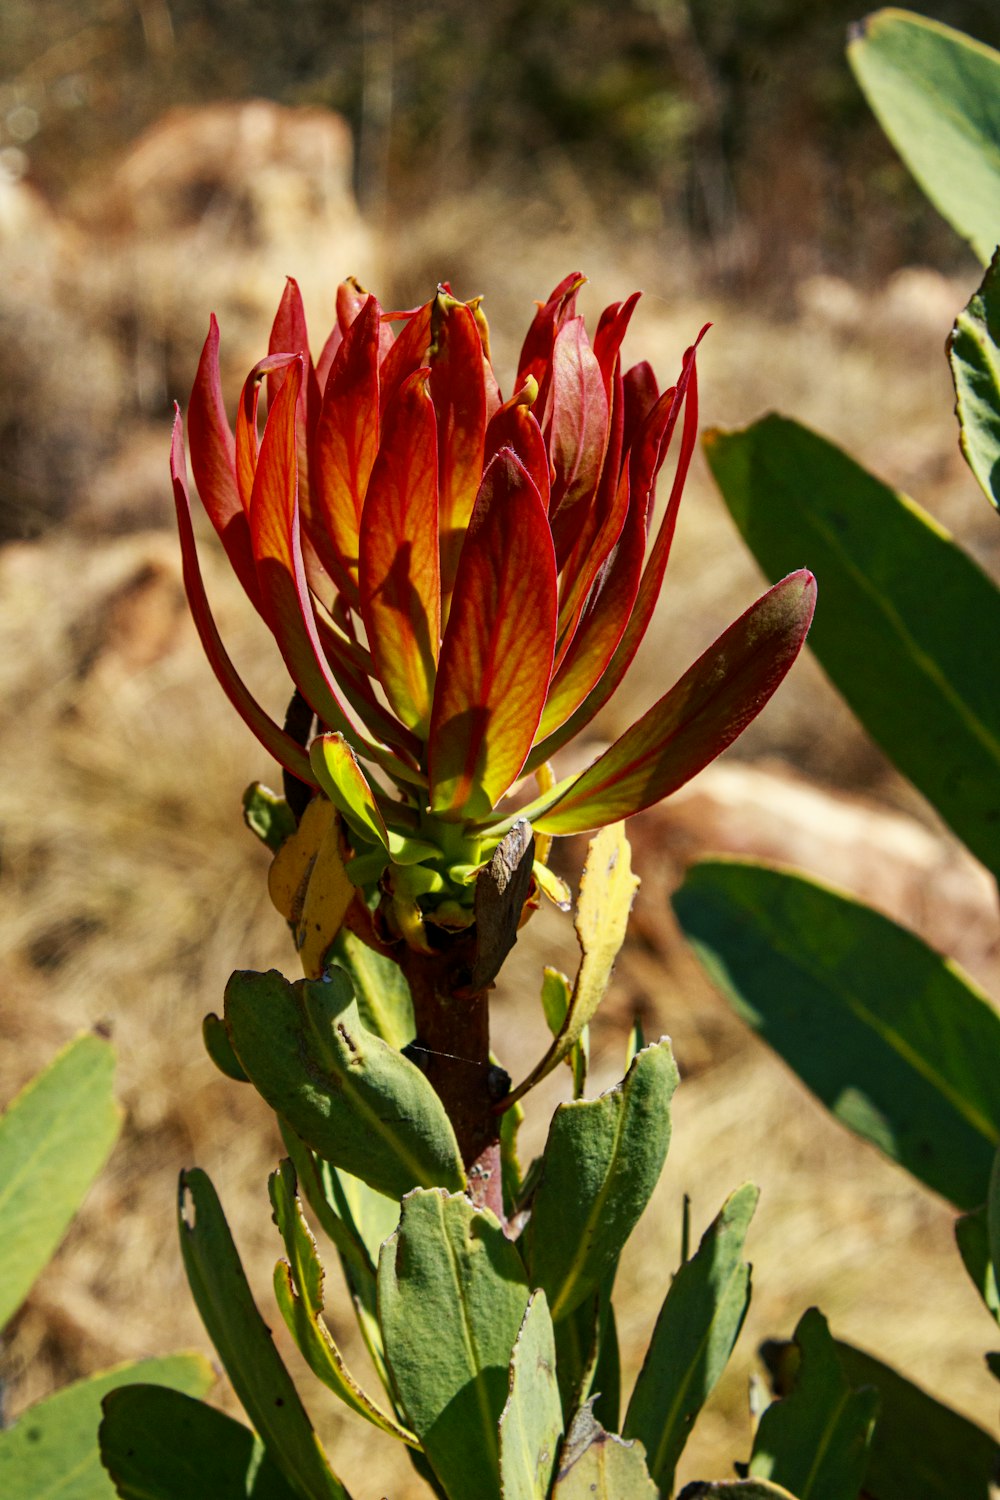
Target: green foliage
(974, 352)
(895, 645)
(353, 1098)
(243, 1340)
(921, 1449)
(452, 1298)
(162, 1445)
(696, 1330)
(892, 1037)
(602, 1160)
(51, 1452)
(531, 1423)
(54, 1139)
(936, 94)
(815, 1440)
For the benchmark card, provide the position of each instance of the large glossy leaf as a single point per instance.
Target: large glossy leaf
(815, 1440)
(922, 1450)
(894, 1039)
(298, 1290)
(597, 1465)
(893, 629)
(974, 353)
(161, 1445)
(936, 94)
(51, 1452)
(350, 1096)
(531, 1423)
(54, 1139)
(452, 1297)
(383, 995)
(243, 1341)
(704, 711)
(698, 1325)
(496, 656)
(607, 890)
(602, 1160)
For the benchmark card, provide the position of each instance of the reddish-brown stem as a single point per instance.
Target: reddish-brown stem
(453, 1048)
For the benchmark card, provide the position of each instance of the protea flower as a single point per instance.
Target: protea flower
(458, 582)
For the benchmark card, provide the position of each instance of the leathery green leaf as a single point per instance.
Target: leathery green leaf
(815, 1440)
(892, 1037)
(974, 354)
(936, 94)
(55, 1137)
(51, 1451)
(607, 890)
(452, 1296)
(698, 1325)
(596, 1465)
(889, 633)
(243, 1342)
(922, 1449)
(380, 988)
(704, 711)
(531, 1423)
(162, 1445)
(602, 1159)
(973, 1240)
(355, 1100)
(993, 1218)
(298, 1290)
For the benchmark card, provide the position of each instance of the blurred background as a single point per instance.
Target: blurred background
(162, 159)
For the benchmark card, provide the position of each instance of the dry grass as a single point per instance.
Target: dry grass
(130, 888)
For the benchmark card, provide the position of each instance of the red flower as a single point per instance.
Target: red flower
(458, 583)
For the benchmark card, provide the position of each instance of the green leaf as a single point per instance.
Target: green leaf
(698, 1325)
(607, 890)
(974, 354)
(350, 1096)
(892, 631)
(596, 1465)
(452, 1296)
(336, 769)
(161, 1445)
(268, 816)
(54, 1139)
(510, 1165)
(921, 1450)
(815, 1440)
(602, 1160)
(936, 94)
(380, 988)
(972, 1237)
(894, 1039)
(298, 1290)
(531, 1423)
(220, 1048)
(244, 1344)
(993, 1217)
(51, 1452)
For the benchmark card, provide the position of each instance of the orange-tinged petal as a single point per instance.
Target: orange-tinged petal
(496, 656)
(399, 571)
(247, 436)
(344, 449)
(515, 426)
(277, 548)
(213, 463)
(407, 354)
(458, 390)
(611, 329)
(704, 712)
(575, 423)
(536, 351)
(275, 740)
(289, 335)
(684, 395)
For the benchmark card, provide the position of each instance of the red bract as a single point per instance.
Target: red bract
(458, 583)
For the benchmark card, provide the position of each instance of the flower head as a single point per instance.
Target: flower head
(458, 582)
